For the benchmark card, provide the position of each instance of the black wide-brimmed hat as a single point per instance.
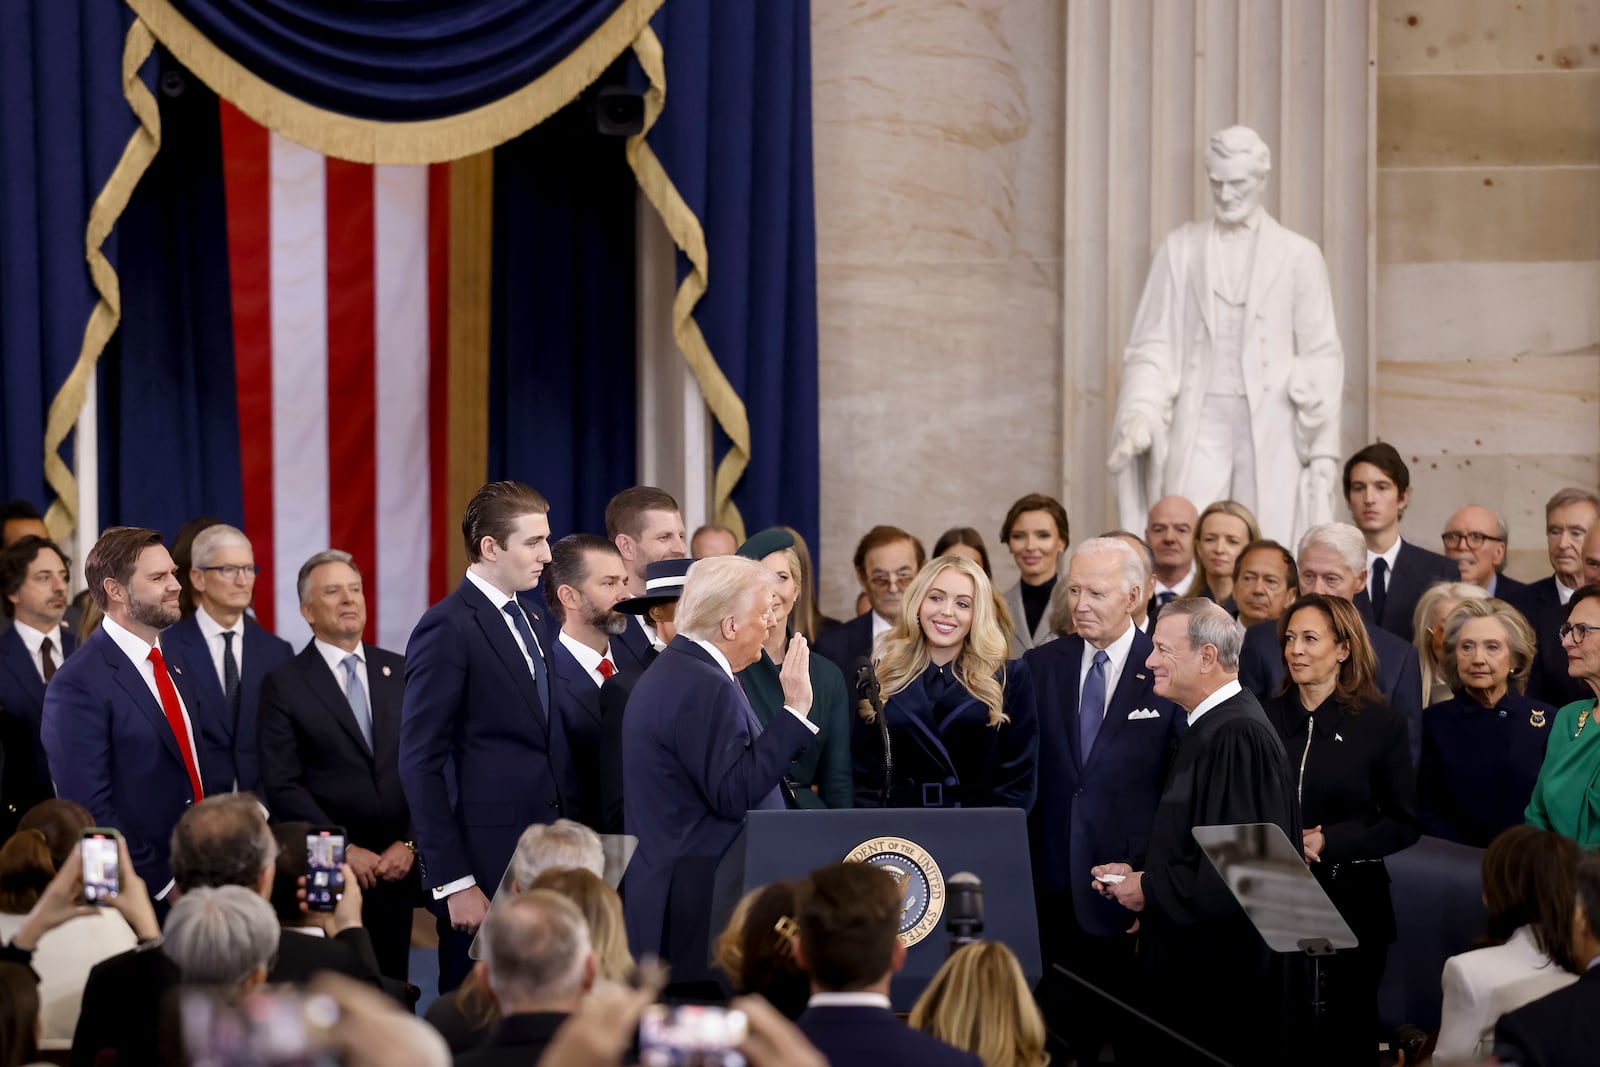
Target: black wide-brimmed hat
(663, 582)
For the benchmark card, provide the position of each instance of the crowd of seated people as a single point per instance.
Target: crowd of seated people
(1409, 691)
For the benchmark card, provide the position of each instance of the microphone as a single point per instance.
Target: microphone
(963, 910)
(867, 687)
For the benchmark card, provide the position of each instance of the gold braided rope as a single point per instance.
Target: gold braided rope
(372, 141)
(107, 208)
(725, 405)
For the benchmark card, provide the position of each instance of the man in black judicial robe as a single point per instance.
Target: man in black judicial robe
(1204, 970)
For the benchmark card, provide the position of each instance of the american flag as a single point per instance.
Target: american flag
(339, 275)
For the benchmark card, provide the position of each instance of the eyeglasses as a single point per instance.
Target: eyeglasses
(231, 571)
(1474, 539)
(1575, 630)
(885, 582)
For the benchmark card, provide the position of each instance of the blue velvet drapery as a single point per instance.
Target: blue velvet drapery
(735, 138)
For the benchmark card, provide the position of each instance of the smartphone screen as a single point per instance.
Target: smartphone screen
(101, 882)
(324, 860)
(691, 1035)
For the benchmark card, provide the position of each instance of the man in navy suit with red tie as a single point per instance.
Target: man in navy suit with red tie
(483, 753)
(1104, 741)
(118, 727)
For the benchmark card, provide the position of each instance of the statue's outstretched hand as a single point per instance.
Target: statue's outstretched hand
(1134, 440)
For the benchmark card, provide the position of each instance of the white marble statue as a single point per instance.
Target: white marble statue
(1232, 376)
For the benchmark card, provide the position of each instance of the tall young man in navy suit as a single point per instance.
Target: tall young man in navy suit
(33, 595)
(225, 652)
(1377, 486)
(1104, 744)
(647, 527)
(849, 919)
(483, 752)
(120, 729)
(583, 584)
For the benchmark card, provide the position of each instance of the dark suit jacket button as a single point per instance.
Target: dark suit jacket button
(555, 803)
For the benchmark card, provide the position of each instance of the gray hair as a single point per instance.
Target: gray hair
(220, 936)
(1338, 537)
(1239, 141)
(717, 587)
(1519, 639)
(1129, 565)
(560, 845)
(212, 538)
(535, 948)
(223, 840)
(1209, 625)
(1570, 495)
(328, 555)
(1422, 615)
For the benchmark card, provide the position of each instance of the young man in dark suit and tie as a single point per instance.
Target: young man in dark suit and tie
(224, 651)
(583, 584)
(646, 526)
(329, 736)
(1377, 486)
(697, 759)
(1104, 742)
(483, 752)
(33, 595)
(849, 919)
(119, 727)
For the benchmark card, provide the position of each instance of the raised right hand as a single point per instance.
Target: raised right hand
(796, 675)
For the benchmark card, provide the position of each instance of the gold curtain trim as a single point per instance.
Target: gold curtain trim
(107, 208)
(372, 141)
(725, 405)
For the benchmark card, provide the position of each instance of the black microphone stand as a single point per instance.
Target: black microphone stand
(869, 690)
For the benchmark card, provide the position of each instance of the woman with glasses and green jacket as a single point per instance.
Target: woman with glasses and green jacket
(1566, 798)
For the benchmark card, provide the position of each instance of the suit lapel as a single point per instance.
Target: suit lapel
(917, 710)
(132, 681)
(574, 680)
(492, 622)
(329, 689)
(1067, 721)
(1133, 688)
(14, 658)
(387, 686)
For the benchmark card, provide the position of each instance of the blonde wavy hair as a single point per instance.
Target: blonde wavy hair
(981, 664)
(1201, 584)
(979, 1001)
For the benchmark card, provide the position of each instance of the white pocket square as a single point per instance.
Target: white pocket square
(1144, 713)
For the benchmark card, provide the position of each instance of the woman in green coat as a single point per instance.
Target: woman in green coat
(820, 775)
(1566, 798)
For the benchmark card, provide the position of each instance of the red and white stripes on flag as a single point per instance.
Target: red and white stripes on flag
(339, 274)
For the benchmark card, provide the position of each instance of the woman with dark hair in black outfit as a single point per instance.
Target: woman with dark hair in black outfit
(1357, 792)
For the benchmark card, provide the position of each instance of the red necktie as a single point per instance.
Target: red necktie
(606, 668)
(174, 711)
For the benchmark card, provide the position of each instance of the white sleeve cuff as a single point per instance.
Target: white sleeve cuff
(456, 886)
(813, 727)
(171, 884)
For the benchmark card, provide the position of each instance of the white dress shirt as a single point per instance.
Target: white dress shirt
(212, 631)
(33, 641)
(849, 1000)
(1563, 592)
(649, 632)
(587, 657)
(1228, 689)
(1116, 659)
(500, 600)
(727, 668)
